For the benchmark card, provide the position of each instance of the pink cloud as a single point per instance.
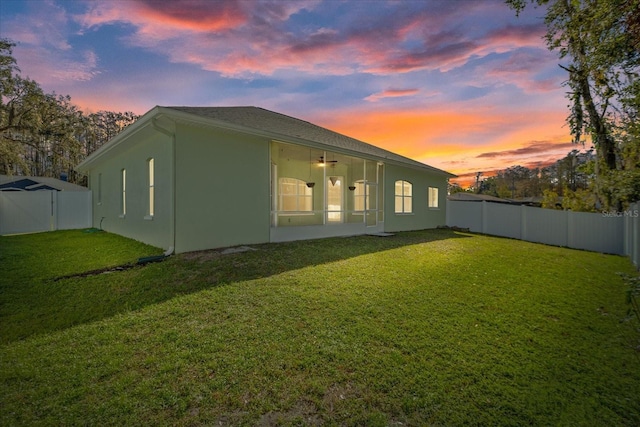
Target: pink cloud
(239, 39)
(518, 36)
(533, 148)
(49, 67)
(243, 39)
(44, 26)
(165, 19)
(392, 93)
(194, 15)
(522, 68)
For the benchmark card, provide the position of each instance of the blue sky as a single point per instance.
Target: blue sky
(463, 85)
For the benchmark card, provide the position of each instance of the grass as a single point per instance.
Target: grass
(423, 328)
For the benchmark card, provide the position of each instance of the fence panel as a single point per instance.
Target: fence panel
(465, 214)
(27, 211)
(632, 233)
(74, 210)
(614, 234)
(44, 210)
(545, 226)
(502, 220)
(596, 232)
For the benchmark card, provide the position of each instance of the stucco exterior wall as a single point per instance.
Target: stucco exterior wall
(105, 183)
(422, 216)
(213, 189)
(222, 188)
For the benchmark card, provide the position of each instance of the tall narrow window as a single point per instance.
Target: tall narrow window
(335, 198)
(150, 166)
(433, 197)
(403, 197)
(359, 196)
(295, 196)
(99, 188)
(123, 200)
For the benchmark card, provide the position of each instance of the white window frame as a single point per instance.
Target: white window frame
(123, 195)
(100, 188)
(404, 197)
(151, 195)
(303, 195)
(433, 198)
(359, 197)
(335, 216)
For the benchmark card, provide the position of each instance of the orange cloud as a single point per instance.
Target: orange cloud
(460, 141)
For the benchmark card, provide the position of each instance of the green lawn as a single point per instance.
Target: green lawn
(423, 328)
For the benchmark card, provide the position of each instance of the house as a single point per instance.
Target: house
(193, 178)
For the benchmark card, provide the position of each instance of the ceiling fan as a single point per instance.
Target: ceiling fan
(322, 161)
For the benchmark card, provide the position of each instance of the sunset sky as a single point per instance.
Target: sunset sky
(462, 85)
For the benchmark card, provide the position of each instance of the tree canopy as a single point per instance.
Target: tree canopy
(599, 44)
(44, 134)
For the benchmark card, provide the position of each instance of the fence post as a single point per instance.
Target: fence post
(570, 230)
(627, 236)
(634, 234)
(485, 217)
(523, 222)
(53, 222)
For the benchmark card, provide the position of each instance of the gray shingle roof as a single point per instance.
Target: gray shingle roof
(280, 124)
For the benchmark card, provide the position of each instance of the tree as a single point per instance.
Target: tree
(600, 41)
(19, 101)
(100, 127)
(454, 187)
(550, 200)
(45, 134)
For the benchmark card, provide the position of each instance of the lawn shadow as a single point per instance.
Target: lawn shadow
(259, 261)
(83, 298)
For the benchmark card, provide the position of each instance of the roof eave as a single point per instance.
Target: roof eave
(114, 142)
(208, 121)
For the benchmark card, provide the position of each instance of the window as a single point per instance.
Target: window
(359, 196)
(433, 197)
(335, 196)
(99, 188)
(150, 167)
(403, 197)
(123, 200)
(295, 196)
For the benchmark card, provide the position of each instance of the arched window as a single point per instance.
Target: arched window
(403, 197)
(295, 196)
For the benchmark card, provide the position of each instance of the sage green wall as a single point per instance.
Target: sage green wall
(133, 155)
(422, 217)
(222, 188)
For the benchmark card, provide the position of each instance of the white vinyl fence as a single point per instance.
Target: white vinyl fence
(609, 232)
(44, 210)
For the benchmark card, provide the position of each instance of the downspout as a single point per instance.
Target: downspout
(172, 228)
